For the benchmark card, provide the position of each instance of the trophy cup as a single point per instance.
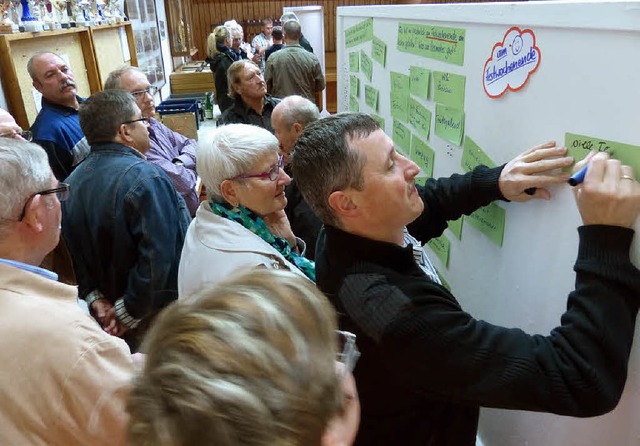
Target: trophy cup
(60, 12)
(30, 23)
(7, 26)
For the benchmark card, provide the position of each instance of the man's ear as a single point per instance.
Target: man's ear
(229, 193)
(124, 134)
(297, 128)
(342, 204)
(32, 214)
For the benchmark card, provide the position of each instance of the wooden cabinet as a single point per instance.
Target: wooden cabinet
(179, 24)
(92, 53)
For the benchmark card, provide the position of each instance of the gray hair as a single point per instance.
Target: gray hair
(287, 16)
(30, 69)
(324, 162)
(25, 171)
(292, 30)
(298, 109)
(249, 361)
(234, 72)
(114, 80)
(232, 151)
(102, 114)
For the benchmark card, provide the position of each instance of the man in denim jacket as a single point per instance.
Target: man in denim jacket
(124, 221)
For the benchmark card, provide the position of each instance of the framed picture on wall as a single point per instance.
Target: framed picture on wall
(143, 17)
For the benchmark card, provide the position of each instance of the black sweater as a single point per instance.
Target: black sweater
(427, 366)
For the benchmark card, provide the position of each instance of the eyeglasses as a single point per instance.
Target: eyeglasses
(152, 90)
(62, 192)
(25, 134)
(272, 173)
(143, 119)
(349, 354)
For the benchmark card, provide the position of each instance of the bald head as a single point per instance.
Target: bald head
(289, 118)
(8, 126)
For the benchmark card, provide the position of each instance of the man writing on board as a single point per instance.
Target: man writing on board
(426, 365)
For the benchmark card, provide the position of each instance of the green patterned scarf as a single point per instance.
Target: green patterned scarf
(255, 224)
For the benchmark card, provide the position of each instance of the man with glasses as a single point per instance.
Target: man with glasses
(171, 151)
(124, 223)
(427, 366)
(57, 128)
(64, 381)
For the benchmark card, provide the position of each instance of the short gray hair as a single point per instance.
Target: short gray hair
(324, 162)
(292, 30)
(25, 171)
(287, 16)
(114, 80)
(248, 361)
(102, 114)
(298, 109)
(232, 151)
(30, 69)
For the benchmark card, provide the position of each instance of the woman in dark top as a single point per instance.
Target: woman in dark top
(220, 58)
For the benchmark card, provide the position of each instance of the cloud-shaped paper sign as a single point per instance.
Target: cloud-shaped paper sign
(512, 62)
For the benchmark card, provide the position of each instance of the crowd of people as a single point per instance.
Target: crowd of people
(233, 319)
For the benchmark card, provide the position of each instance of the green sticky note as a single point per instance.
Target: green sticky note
(449, 123)
(419, 81)
(354, 106)
(354, 86)
(423, 156)
(441, 247)
(399, 106)
(360, 33)
(401, 136)
(371, 97)
(473, 156)
(419, 117)
(579, 146)
(366, 65)
(379, 51)
(455, 226)
(448, 89)
(444, 282)
(379, 119)
(354, 61)
(400, 83)
(490, 221)
(434, 42)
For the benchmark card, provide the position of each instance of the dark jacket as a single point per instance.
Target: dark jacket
(124, 224)
(241, 114)
(219, 66)
(272, 49)
(304, 43)
(304, 222)
(427, 365)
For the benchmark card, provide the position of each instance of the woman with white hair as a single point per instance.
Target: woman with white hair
(242, 224)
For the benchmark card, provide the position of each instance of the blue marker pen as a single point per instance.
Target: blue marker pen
(578, 177)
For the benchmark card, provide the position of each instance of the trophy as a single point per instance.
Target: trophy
(30, 23)
(7, 26)
(60, 12)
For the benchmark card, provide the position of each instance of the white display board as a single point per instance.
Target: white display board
(526, 73)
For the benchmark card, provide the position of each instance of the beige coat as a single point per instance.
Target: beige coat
(63, 381)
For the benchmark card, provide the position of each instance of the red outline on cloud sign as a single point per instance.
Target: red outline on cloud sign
(509, 61)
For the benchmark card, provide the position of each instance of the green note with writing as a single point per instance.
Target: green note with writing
(371, 97)
(399, 96)
(455, 226)
(579, 146)
(419, 81)
(354, 105)
(400, 83)
(366, 65)
(354, 86)
(449, 123)
(473, 156)
(379, 51)
(419, 117)
(434, 42)
(441, 247)
(448, 89)
(360, 33)
(354, 62)
(401, 136)
(423, 156)
(490, 221)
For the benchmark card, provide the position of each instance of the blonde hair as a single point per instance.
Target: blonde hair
(219, 36)
(249, 361)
